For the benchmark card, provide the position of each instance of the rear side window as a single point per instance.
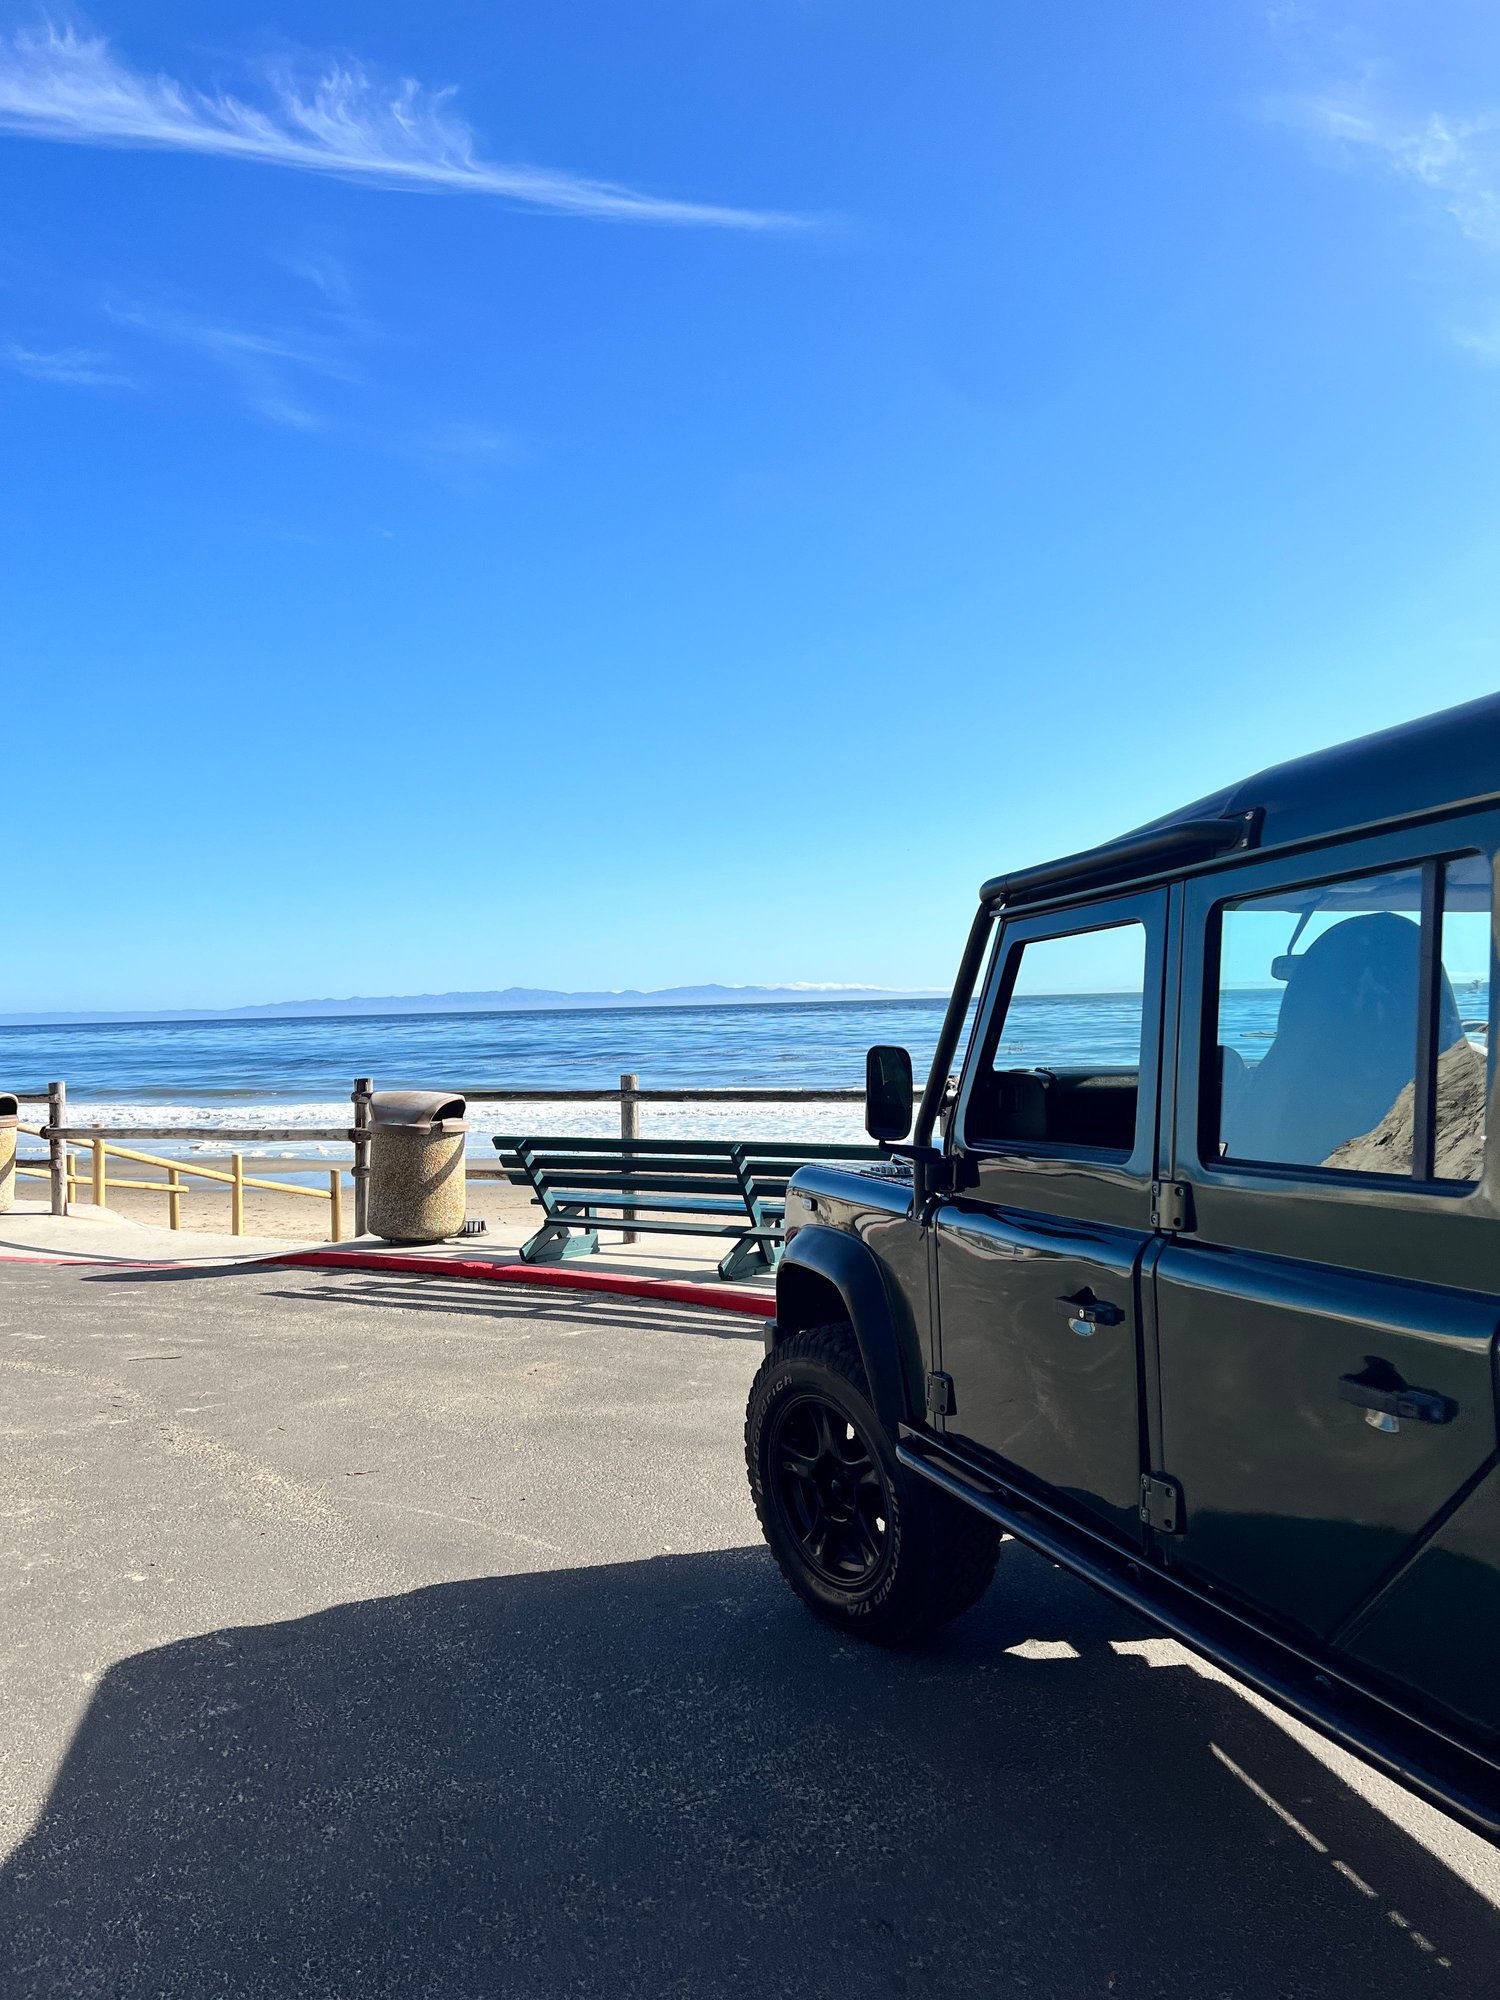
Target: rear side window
(1063, 1062)
(1353, 1025)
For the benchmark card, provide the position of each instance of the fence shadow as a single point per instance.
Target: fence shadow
(462, 1297)
(475, 1299)
(151, 1271)
(663, 1779)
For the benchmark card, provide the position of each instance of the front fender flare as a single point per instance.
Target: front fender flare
(834, 1258)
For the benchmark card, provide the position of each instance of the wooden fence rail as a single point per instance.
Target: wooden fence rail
(64, 1177)
(683, 1095)
(99, 1180)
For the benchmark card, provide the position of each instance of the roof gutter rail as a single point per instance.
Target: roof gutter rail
(1121, 860)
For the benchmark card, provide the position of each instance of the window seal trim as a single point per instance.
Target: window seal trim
(1338, 1177)
(1429, 988)
(1142, 904)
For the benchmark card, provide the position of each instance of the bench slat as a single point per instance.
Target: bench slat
(673, 1204)
(558, 1164)
(586, 1174)
(689, 1148)
(664, 1187)
(674, 1227)
(809, 1151)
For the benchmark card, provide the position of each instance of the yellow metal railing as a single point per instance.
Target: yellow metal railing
(88, 1167)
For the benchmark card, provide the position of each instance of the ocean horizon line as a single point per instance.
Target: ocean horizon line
(508, 1000)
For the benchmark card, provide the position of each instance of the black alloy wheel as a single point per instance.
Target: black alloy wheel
(830, 1490)
(869, 1546)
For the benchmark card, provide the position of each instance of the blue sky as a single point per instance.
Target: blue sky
(593, 496)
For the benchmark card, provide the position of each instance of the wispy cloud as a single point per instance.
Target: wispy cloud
(1457, 160)
(1483, 342)
(70, 367)
(475, 442)
(278, 408)
(233, 344)
(255, 358)
(1452, 161)
(327, 277)
(62, 85)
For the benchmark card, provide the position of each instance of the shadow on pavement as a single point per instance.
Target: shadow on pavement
(175, 1274)
(464, 1297)
(663, 1778)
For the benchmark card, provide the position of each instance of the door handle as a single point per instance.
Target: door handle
(1385, 1404)
(1086, 1313)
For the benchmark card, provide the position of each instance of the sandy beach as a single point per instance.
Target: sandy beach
(205, 1204)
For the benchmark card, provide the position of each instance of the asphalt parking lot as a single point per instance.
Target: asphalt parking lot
(369, 1635)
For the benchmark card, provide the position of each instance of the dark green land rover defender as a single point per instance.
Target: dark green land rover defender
(1190, 1273)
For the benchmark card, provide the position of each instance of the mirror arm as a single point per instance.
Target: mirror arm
(929, 1170)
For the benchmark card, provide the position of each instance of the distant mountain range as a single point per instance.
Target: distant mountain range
(507, 1000)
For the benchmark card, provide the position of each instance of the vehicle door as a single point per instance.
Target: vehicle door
(1325, 1324)
(1038, 1248)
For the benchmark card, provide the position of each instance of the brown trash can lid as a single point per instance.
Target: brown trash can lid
(10, 1109)
(423, 1110)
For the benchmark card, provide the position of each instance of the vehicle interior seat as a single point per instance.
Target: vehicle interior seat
(1345, 1044)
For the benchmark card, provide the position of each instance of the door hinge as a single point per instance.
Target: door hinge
(1161, 1504)
(940, 1401)
(1171, 1205)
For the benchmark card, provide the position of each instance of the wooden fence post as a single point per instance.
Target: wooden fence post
(630, 1128)
(363, 1089)
(237, 1194)
(174, 1199)
(57, 1116)
(335, 1205)
(98, 1190)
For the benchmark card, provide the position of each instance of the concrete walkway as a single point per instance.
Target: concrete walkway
(88, 1234)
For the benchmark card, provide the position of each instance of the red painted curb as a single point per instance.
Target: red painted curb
(725, 1298)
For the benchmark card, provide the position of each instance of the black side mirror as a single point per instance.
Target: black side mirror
(888, 1093)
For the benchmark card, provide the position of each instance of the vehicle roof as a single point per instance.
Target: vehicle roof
(1441, 761)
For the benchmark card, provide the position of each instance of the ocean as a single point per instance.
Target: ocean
(289, 1072)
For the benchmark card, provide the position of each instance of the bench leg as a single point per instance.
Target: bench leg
(561, 1238)
(747, 1259)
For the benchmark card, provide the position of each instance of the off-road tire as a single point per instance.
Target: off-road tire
(934, 1557)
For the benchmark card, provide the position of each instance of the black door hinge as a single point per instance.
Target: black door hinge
(1171, 1205)
(1161, 1504)
(940, 1401)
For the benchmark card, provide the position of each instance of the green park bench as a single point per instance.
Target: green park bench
(668, 1187)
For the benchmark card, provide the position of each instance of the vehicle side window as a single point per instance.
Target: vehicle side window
(1353, 1025)
(1062, 1061)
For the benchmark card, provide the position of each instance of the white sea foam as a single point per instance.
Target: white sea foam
(829, 1124)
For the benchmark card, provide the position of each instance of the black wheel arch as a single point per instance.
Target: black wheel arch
(828, 1275)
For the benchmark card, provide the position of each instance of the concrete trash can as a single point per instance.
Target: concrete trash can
(416, 1165)
(10, 1117)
